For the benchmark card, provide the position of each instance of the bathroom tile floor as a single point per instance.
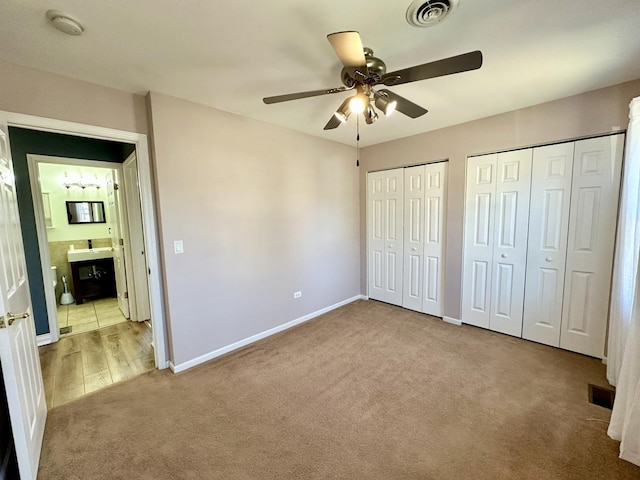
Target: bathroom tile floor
(80, 364)
(91, 315)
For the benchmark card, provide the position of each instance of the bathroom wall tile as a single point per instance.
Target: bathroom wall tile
(58, 254)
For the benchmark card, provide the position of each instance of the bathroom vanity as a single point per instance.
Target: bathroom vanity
(93, 273)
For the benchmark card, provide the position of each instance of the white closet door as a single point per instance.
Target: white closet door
(547, 247)
(513, 185)
(592, 225)
(414, 233)
(435, 203)
(385, 235)
(478, 239)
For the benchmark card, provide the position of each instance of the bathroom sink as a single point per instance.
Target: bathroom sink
(83, 254)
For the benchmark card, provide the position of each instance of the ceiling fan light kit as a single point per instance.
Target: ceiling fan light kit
(385, 104)
(363, 71)
(359, 102)
(343, 111)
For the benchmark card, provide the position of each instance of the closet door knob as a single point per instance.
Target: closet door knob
(414, 249)
(549, 259)
(504, 255)
(390, 245)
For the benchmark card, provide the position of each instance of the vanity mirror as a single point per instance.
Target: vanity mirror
(85, 212)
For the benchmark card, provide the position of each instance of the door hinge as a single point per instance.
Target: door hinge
(121, 241)
(116, 186)
(126, 294)
(2, 324)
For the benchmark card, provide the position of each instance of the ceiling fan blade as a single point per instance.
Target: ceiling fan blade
(296, 96)
(333, 122)
(405, 106)
(447, 66)
(348, 47)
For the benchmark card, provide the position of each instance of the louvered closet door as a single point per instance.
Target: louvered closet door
(547, 247)
(414, 233)
(592, 225)
(513, 184)
(478, 239)
(434, 237)
(385, 235)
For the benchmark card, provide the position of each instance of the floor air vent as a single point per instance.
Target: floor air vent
(65, 330)
(601, 396)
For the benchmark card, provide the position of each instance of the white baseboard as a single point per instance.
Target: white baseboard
(451, 320)
(44, 339)
(604, 360)
(254, 338)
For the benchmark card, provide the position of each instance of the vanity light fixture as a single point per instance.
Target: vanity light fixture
(80, 182)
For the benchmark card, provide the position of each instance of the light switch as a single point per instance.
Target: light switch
(178, 247)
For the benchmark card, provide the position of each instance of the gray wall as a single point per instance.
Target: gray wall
(263, 211)
(35, 92)
(587, 114)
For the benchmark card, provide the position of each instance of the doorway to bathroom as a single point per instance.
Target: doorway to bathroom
(83, 362)
(89, 223)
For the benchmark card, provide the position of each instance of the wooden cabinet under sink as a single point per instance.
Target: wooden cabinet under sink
(93, 279)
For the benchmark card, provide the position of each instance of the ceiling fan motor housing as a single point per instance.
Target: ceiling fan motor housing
(376, 67)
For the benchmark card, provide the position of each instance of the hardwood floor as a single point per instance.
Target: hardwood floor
(86, 362)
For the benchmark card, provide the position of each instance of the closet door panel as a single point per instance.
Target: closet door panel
(592, 226)
(385, 235)
(546, 252)
(394, 198)
(414, 233)
(375, 234)
(510, 241)
(435, 203)
(478, 239)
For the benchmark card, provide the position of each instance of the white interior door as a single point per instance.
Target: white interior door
(117, 242)
(513, 185)
(414, 232)
(478, 239)
(592, 225)
(18, 351)
(547, 247)
(138, 282)
(386, 235)
(434, 238)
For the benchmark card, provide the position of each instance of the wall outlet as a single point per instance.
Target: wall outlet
(178, 246)
(297, 294)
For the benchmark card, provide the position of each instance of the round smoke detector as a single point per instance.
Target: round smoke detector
(426, 13)
(65, 23)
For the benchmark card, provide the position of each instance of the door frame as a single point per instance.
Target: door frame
(149, 217)
(33, 161)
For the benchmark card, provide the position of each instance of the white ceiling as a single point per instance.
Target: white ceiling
(230, 53)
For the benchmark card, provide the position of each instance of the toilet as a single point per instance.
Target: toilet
(54, 277)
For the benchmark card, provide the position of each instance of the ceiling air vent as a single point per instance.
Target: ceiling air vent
(426, 13)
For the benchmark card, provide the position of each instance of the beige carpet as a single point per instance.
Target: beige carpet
(368, 391)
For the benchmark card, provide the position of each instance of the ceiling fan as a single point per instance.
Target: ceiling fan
(362, 71)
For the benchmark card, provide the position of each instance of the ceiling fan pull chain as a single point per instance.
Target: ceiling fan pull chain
(358, 141)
